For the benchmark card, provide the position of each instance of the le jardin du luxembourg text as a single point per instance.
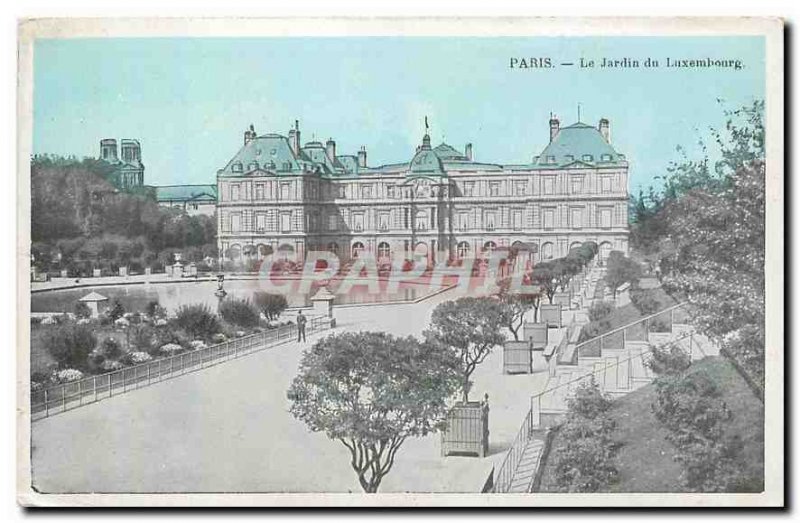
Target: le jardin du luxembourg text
(533, 63)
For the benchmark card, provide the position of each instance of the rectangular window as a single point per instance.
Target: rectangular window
(577, 184)
(549, 184)
(390, 191)
(469, 189)
(366, 192)
(383, 221)
(519, 188)
(259, 191)
(286, 222)
(234, 191)
(605, 217)
(490, 220)
(549, 218)
(332, 221)
(463, 221)
(285, 188)
(358, 222)
(494, 189)
(236, 222)
(261, 222)
(605, 184)
(341, 191)
(516, 220)
(576, 217)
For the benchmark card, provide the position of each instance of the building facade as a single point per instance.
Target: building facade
(192, 199)
(128, 168)
(278, 196)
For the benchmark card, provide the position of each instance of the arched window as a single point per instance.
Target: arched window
(333, 247)
(462, 250)
(489, 247)
(286, 252)
(234, 252)
(384, 251)
(547, 251)
(264, 251)
(358, 248)
(605, 250)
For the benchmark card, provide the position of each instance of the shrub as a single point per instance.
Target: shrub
(584, 456)
(116, 311)
(645, 301)
(154, 310)
(82, 310)
(600, 310)
(70, 345)
(143, 337)
(135, 358)
(171, 349)
(111, 349)
(669, 359)
(197, 344)
(197, 320)
(239, 312)
(272, 305)
(66, 375)
(219, 338)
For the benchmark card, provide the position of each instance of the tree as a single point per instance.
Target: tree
(371, 391)
(272, 305)
(239, 312)
(70, 345)
(621, 269)
(472, 327)
(197, 320)
(544, 275)
(517, 304)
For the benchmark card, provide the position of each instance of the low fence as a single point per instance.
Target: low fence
(67, 396)
(505, 476)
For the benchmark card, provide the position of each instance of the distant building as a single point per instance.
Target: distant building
(129, 169)
(193, 199)
(278, 196)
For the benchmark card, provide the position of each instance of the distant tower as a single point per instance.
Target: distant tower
(108, 150)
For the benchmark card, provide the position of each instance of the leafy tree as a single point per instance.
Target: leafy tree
(197, 320)
(621, 269)
(472, 327)
(116, 311)
(239, 312)
(517, 304)
(371, 391)
(82, 310)
(544, 276)
(272, 305)
(70, 345)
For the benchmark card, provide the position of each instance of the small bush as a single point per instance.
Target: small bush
(82, 310)
(170, 349)
(600, 310)
(154, 310)
(116, 311)
(135, 358)
(669, 359)
(111, 349)
(272, 305)
(66, 376)
(645, 301)
(239, 312)
(70, 345)
(197, 320)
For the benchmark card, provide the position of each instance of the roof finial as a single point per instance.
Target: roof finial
(297, 125)
(579, 111)
(426, 124)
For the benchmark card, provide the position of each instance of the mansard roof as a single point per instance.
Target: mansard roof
(269, 152)
(186, 193)
(578, 142)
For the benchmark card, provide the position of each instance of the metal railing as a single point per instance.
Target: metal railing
(505, 475)
(67, 396)
(622, 332)
(532, 421)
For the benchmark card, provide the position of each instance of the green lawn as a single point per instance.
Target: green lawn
(645, 458)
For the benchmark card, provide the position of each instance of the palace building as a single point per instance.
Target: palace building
(280, 196)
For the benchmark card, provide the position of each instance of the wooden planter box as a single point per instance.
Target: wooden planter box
(535, 334)
(551, 314)
(563, 298)
(517, 358)
(467, 432)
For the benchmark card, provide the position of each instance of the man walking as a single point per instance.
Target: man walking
(301, 326)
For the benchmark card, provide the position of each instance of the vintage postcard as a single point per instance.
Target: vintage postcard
(401, 262)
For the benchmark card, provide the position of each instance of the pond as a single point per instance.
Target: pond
(173, 295)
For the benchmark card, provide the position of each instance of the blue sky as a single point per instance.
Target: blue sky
(188, 101)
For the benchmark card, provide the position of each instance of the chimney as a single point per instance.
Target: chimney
(605, 129)
(468, 151)
(108, 150)
(554, 127)
(249, 134)
(294, 139)
(330, 149)
(362, 157)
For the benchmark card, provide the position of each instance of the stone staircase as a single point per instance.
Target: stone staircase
(620, 369)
